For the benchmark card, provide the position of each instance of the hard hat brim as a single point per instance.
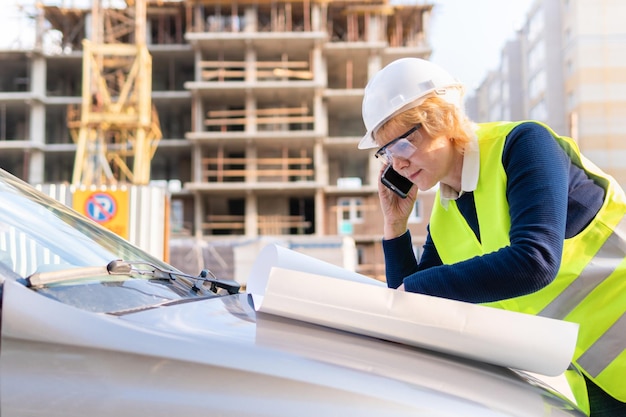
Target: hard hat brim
(367, 142)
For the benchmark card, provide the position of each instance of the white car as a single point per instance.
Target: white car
(92, 326)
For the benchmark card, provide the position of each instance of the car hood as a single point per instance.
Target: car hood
(227, 333)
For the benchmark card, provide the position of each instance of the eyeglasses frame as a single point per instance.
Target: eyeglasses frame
(383, 149)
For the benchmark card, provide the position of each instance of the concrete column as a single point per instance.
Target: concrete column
(250, 106)
(373, 29)
(373, 169)
(36, 163)
(250, 57)
(250, 20)
(318, 66)
(37, 123)
(320, 161)
(318, 12)
(251, 163)
(321, 165)
(320, 212)
(148, 30)
(196, 163)
(196, 150)
(198, 69)
(321, 114)
(251, 217)
(373, 66)
(199, 215)
(197, 125)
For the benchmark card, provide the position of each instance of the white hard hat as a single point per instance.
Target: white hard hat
(401, 85)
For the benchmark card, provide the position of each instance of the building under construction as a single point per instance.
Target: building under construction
(255, 113)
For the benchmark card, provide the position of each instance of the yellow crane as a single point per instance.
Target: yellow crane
(117, 131)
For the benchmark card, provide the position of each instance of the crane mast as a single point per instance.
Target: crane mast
(118, 130)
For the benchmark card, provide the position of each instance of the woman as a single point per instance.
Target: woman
(521, 220)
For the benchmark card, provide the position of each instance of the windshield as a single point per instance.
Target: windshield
(39, 234)
(36, 230)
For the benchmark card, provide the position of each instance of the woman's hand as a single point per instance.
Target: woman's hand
(396, 210)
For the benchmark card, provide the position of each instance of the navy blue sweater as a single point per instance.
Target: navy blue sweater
(549, 198)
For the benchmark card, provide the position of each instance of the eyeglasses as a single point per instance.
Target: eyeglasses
(400, 147)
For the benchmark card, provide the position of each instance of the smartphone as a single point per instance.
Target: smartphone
(396, 182)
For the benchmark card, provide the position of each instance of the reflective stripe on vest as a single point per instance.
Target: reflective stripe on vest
(590, 287)
(603, 264)
(611, 344)
(605, 350)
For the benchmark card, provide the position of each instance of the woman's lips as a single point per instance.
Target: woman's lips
(413, 176)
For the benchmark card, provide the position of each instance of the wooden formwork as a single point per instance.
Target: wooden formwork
(274, 224)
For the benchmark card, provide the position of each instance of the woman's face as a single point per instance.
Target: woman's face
(423, 159)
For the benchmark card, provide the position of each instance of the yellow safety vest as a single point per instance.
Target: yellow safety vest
(590, 287)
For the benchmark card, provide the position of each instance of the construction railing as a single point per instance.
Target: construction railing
(222, 169)
(266, 224)
(263, 70)
(268, 116)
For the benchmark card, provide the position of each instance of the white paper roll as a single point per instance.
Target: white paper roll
(290, 284)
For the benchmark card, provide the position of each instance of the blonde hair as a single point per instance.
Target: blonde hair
(438, 118)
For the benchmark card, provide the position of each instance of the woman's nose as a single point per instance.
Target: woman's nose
(399, 162)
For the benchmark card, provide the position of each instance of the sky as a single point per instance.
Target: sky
(467, 36)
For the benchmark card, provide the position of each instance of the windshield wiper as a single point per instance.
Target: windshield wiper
(121, 267)
(126, 267)
(39, 279)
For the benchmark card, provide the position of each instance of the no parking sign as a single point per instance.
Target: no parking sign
(107, 207)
